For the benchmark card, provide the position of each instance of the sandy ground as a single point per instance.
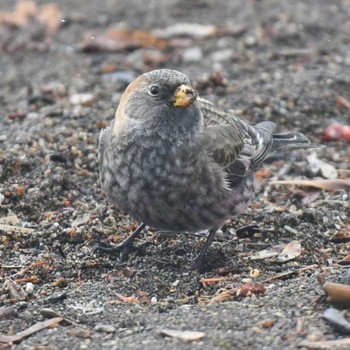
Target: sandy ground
(284, 61)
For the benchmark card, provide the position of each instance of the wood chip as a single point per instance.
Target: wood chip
(340, 237)
(339, 293)
(187, 336)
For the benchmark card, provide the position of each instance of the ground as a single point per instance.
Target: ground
(288, 62)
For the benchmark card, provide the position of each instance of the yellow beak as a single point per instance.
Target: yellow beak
(184, 96)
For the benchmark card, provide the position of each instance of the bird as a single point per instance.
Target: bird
(174, 161)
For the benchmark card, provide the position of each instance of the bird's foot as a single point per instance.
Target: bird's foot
(247, 231)
(122, 248)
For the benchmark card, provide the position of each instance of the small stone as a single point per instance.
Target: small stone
(328, 171)
(175, 283)
(250, 41)
(29, 288)
(193, 54)
(104, 328)
(82, 99)
(154, 300)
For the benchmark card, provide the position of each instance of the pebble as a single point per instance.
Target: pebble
(328, 171)
(104, 328)
(29, 288)
(193, 54)
(175, 283)
(82, 99)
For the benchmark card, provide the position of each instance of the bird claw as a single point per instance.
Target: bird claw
(247, 231)
(122, 249)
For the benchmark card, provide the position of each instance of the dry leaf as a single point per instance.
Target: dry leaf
(10, 220)
(16, 291)
(342, 101)
(290, 251)
(19, 17)
(322, 184)
(127, 300)
(49, 15)
(115, 39)
(224, 296)
(183, 335)
(81, 220)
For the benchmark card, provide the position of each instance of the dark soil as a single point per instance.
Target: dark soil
(285, 61)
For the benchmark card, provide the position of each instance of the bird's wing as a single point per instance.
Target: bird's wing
(230, 138)
(224, 143)
(233, 143)
(223, 138)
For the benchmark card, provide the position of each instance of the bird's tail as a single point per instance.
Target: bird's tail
(289, 141)
(271, 142)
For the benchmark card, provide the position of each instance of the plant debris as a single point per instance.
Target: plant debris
(187, 336)
(10, 339)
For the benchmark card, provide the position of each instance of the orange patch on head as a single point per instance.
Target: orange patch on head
(119, 119)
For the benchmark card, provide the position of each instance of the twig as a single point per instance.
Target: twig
(289, 273)
(9, 339)
(326, 344)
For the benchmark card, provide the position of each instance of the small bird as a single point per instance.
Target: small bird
(174, 161)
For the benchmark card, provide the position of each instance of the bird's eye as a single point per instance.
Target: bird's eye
(154, 90)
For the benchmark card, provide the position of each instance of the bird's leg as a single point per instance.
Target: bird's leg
(198, 262)
(123, 247)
